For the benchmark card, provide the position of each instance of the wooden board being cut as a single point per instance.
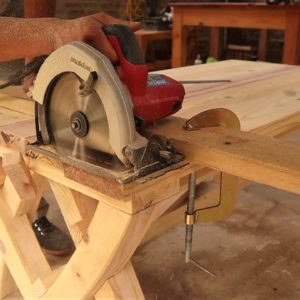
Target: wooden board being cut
(260, 93)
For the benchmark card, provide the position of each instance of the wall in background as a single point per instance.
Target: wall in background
(76, 8)
(117, 8)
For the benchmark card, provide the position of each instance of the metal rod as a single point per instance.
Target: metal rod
(195, 263)
(198, 265)
(190, 211)
(203, 81)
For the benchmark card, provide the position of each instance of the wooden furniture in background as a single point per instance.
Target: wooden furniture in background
(144, 37)
(238, 15)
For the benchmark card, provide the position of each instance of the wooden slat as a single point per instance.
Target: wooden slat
(77, 208)
(18, 188)
(247, 155)
(124, 285)
(262, 44)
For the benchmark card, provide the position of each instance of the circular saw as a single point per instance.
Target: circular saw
(88, 108)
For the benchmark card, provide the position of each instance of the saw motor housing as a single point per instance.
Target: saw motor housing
(154, 96)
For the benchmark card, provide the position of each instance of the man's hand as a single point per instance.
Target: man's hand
(52, 33)
(89, 29)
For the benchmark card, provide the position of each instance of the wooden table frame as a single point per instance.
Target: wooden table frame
(238, 15)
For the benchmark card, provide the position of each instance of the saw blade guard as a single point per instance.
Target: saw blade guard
(86, 63)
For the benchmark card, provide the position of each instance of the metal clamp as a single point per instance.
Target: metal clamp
(190, 219)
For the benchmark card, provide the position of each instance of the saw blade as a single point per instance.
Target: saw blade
(77, 122)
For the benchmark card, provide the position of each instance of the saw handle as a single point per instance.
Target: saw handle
(134, 71)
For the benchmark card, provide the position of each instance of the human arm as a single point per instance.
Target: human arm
(21, 38)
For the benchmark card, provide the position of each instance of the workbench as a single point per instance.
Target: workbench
(107, 220)
(235, 15)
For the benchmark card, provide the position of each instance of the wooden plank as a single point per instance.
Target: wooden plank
(243, 154)
(22, 252)
(215, 42)
(8, 116)
(18, 186)
(77, 209)
(18, 130)
(123, 285)
(262, 44)
(17, 93)
(179, 41)
(291, 38)
(262, 96)
(239, 72)
(39, 183)
(7, 283)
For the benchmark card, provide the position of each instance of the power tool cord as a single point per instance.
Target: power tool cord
(32, 67)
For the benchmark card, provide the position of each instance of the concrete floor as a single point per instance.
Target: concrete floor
(254, 253)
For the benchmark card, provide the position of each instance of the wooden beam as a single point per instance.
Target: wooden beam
(123, 285)
(7, 283)
(77, 209)
(262, 44)
(215, 42)
(243, 154)
(19, 182)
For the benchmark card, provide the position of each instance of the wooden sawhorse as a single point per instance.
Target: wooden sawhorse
(107, 222)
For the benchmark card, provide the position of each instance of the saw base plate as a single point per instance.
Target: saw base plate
(104, 165)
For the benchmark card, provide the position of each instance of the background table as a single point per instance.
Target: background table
(238, 15)
(144, 37)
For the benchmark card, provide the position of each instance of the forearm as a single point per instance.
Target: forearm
(21, 38)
